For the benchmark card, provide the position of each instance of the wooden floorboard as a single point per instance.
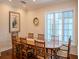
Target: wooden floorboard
(8, 55)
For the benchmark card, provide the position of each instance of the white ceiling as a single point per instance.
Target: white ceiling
(31, 5)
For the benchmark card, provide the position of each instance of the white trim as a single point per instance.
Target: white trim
(4, 49)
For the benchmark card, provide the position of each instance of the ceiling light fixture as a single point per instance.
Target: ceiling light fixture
(23, 2)
(10, 0)
(34, 0)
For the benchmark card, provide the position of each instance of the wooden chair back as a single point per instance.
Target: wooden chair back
(23, 40)
(30, 35)
(69, 44)
(67, 48)
(23, 43)
(41, 36)
(23, 48)
(14, 37)
(16, 47)
(40, 49)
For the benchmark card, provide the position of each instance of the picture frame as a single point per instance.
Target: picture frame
(14, 21)
(36, 21)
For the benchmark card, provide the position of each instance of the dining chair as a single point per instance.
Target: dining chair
(41, 36)
(40, 49)
(23, 48)
(31, 35)
(16, 51)
(65, 50)
(14, 36)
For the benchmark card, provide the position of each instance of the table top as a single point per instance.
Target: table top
(51, 45)
(48, 45)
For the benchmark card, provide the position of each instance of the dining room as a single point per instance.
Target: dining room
(39, 29)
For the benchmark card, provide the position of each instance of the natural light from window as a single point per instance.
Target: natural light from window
(59, 24)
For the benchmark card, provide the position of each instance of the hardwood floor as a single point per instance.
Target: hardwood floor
(8, 55)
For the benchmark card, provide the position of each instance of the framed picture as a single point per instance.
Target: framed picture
(36, 21)
(14, 21)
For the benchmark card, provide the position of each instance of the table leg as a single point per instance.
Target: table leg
(55, 53)
(46, 50)
(51, 53)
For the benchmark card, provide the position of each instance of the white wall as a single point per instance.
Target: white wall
(5, 36)
(40, 13)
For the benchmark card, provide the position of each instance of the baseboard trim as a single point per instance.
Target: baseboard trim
(7, 52)
(5, 49)
(73, 55)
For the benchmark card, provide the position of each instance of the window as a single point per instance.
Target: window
(59, 24)
(49, 26)
(68, 25)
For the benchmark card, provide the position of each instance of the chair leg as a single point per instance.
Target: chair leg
(59, 57)
(68, 57)
(44, 57)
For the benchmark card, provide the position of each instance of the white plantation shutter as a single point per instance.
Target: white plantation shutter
(59, 24)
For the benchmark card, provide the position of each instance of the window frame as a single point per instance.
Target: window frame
(53, 12)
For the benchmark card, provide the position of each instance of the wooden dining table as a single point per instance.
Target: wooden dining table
(52, 45)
